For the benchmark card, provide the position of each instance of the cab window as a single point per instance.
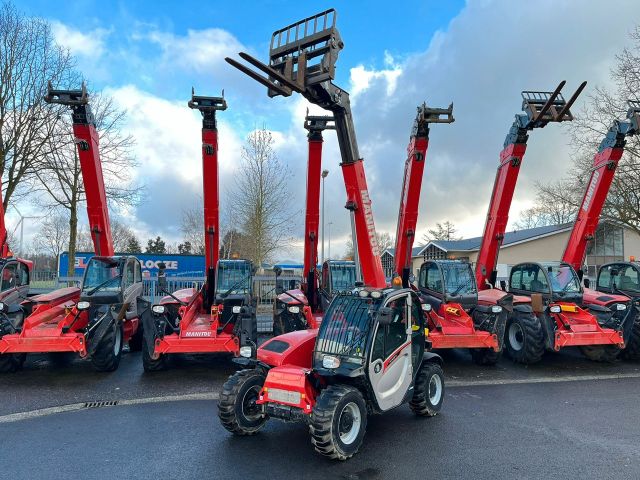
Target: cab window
(8, 276)
(129, 274)
(628, 278)
(430, 278)
(516, 278)
(23, 274)
(389, 337)
(604, 278)
(138, 272)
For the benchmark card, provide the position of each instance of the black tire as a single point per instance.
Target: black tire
(108, 352)
(278, 326)
(11, 362)
(428, 390)
(135, 342)
(632, 349)
(339, 408)
(148, 363)
(524, 338)
(601, 353)
(484, 356)
(237, 407)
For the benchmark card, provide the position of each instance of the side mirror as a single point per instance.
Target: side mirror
(162, 276)
(277, 271)
(412, 278)
(503, 285)
(586, 282)
(385, 316)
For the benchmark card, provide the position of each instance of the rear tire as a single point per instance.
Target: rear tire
(11, 362)
(524, 338)
(338, 422)
(428, 390)
(135, 342)
(484, 356)
(148, 363)
(632, 350)
(107, 354)
(237, 407)
(601, 353)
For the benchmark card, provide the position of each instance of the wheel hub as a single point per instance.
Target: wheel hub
(435, 390)
(250, 408)
(516, 337)
(349, 423)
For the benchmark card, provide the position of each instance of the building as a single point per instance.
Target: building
(612, 242)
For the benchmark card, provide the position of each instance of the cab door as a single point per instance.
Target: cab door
(132, 286)
(390, 366)
(11, 282)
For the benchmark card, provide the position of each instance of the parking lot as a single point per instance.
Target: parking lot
(567, 416)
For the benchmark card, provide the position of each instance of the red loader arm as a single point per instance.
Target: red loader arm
(540, 108)
(412, 184)
(604, 167)
(302, 60)
(86, 138)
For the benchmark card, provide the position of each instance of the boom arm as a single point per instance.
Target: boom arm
(540, 108)
(302, 60)
(86, 139)
(605, 163)
(210, 186)
(315, 125)
(412, 184)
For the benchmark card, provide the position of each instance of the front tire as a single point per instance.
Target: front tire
(237, 408)
(601, 353)
(524, 339)
(338, 422)
(428, 391)
(108, 352)
(11, 362)
(148, 362)
(632, 350)
(135, 342)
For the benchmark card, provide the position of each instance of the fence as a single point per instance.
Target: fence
(264, 289)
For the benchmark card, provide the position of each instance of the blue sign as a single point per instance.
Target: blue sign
(177, 265)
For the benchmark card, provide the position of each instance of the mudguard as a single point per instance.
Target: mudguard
(430, 357)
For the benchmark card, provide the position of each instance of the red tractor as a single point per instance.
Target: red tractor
(95, 320)
(220, 317)
(368, 356)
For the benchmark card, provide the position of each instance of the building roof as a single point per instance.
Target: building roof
(473, 244)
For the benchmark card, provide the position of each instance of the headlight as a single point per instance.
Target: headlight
(246, 352)
(496, 309)
(426, 307)
(236, 309)
(3, 307)
(621, 307)
(84, 305)
(329, 361)
(158, 309)
(376, 294)
(555, 309)
(363, 293)
(294, 309)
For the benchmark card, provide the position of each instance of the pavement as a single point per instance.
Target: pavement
(566, 417)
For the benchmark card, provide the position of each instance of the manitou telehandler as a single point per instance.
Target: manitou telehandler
(95, 320)
(368, 356)
(220, 317)
(617, 309)
(447, 289)
(547, 297)
(302, 308)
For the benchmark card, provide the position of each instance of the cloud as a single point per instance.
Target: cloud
(89, 45)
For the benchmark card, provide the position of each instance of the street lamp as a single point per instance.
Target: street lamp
(330, 223)
(324, 175)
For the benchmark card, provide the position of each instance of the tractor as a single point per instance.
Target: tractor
(367, 357)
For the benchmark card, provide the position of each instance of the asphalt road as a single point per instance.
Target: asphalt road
(572, 429)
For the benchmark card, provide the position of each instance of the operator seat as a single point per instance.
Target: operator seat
(537, 286)
(626, 283)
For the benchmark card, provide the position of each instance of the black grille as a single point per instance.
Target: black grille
(277, 346)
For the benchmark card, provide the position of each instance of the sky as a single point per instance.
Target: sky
(478, 54)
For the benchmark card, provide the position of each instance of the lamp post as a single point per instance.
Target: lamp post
(330, 223)
(324, 175)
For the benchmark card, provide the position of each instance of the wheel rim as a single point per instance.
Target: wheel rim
(118, 341)
(435, 389)
(250, 408)
(349, 423)
(516, 337)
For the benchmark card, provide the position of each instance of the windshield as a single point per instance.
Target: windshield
(346, 325)
(563, 279)
(343, 277)
(458, 279)
(234, 278)
(101, 275)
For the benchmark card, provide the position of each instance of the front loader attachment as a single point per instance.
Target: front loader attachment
(544, 107)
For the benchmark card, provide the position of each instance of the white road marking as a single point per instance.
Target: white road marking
(73, 407)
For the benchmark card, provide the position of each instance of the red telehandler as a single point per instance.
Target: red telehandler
(303, 308)
(547, 297)
(618, 308)
(95, 320)
(368, 355)
(221, 316)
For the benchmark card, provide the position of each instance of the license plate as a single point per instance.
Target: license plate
(285, 396)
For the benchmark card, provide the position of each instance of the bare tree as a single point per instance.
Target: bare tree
(385, 240)
(443, 231)
(60, 175)
(587, 131)
(53, 235)
(192, 228)
(28, 59)
(259, 198)
(123, 236)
